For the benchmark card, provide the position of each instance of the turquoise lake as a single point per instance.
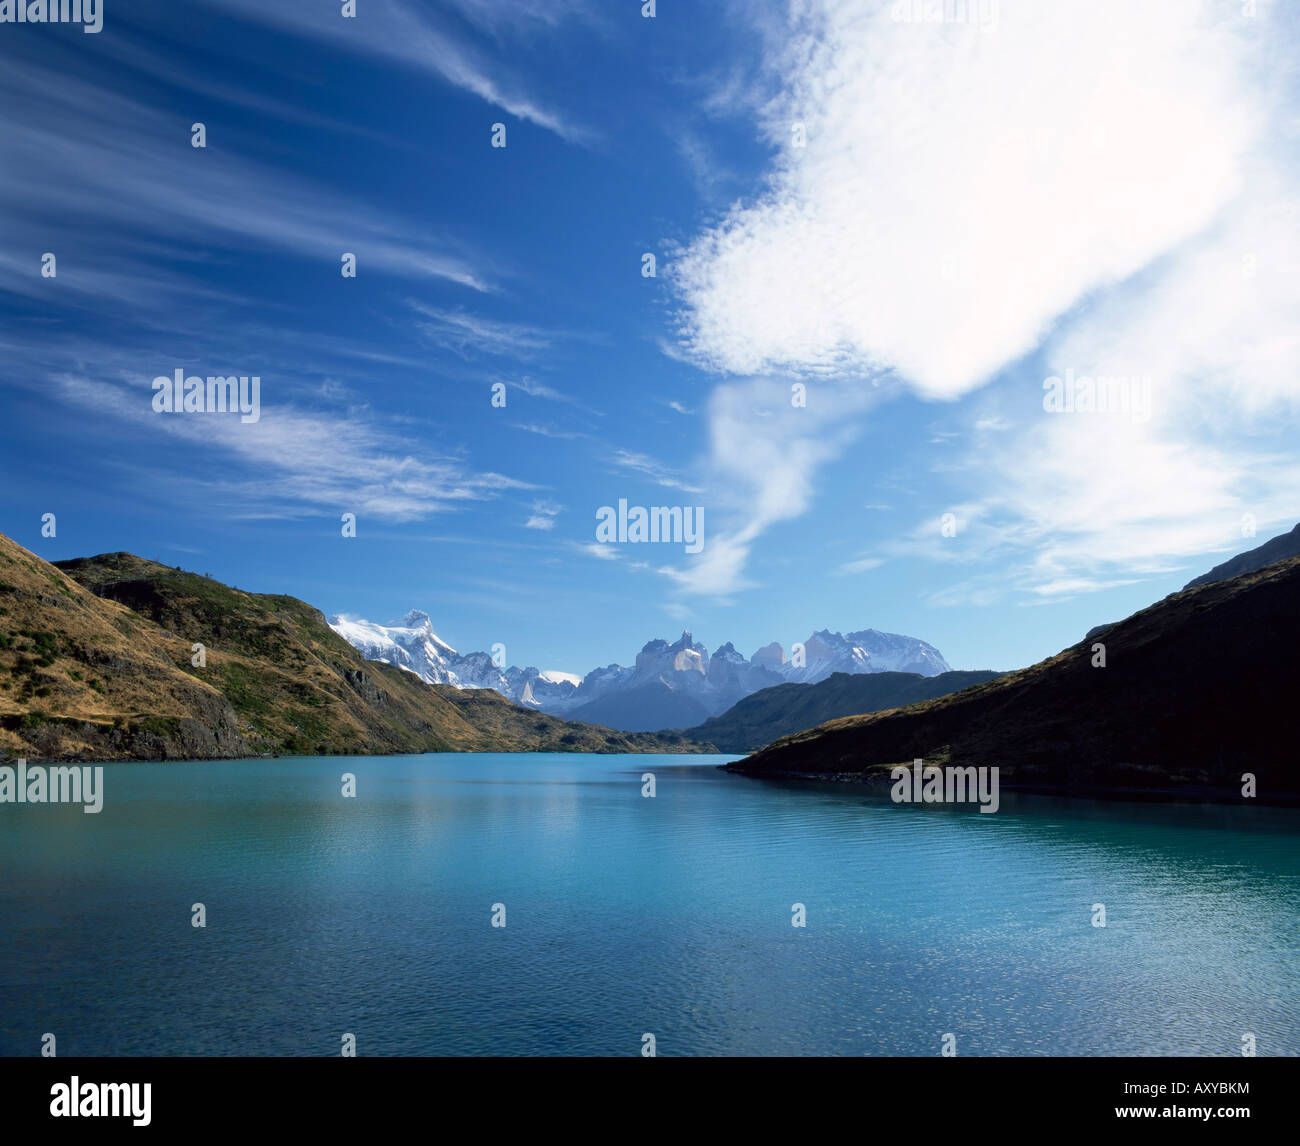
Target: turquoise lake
(628, 915)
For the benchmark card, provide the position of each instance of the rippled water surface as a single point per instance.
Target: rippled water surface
(627, 915)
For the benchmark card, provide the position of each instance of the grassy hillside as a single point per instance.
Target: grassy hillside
(96, 662)
(784, 709)
(1197, 690)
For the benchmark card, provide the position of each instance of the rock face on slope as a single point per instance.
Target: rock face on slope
(1197, 691)
(98, 661)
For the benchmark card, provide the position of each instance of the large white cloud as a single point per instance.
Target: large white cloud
(961, 186)
(1103, 181)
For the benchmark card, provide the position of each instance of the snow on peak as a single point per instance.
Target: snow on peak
(683, 668)
(410, 643)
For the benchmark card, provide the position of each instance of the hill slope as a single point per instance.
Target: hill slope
(95, 662)
(1279, 548)
(1197, 690)
(788, 708)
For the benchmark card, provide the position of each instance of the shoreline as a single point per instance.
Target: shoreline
(1191, 794)
(10, 761)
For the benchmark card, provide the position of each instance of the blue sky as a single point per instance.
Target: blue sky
(918, 220)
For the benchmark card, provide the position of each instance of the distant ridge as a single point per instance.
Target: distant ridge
(787, 708)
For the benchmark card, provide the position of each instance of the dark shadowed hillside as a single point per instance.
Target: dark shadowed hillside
(1197, 690)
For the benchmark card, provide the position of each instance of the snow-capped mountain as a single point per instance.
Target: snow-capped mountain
(866, 651)
(679, 685)
(409, 643)
(673, 685)
(412, 644)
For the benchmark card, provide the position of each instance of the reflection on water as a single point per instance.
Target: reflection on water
(628, 915)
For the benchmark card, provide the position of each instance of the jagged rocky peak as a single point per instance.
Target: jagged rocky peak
(868, 650)
(683, 655)
(731, 676)
(826, 652)
(688, 656)
(728, 652)
(772, 656)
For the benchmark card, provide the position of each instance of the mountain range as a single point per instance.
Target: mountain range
(673, 685)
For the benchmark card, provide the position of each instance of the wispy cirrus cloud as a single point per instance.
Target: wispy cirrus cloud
(535, 389)
(545, 431)
(764, 454)
(116, 176)
(649, 467)
(505, 18)
(296, 460)
(416, 37)
(466, 334)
